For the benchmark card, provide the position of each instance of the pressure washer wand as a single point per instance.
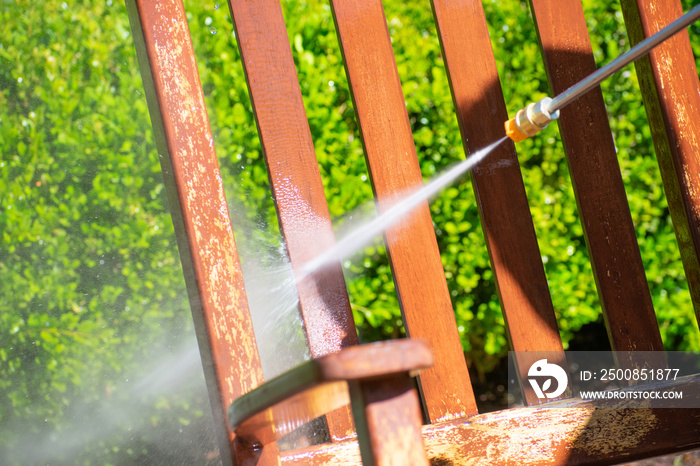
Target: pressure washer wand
(536, 116)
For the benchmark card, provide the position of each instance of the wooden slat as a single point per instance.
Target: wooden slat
(388, 418)
(295, 179)
(497, 181)
(199, 210)
(320, 385)
(393, 165)
(669, 82)
(585, 433)
(595, 173)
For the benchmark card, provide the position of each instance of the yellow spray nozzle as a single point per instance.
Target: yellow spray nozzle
(530, 120)
(513, 132)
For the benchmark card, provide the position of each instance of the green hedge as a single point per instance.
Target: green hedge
(89, 272)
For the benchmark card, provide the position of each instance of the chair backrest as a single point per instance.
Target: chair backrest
(205, 236)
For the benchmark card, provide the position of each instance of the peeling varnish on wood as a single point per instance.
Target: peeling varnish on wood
(669, 79)
(514, 444)
(204, 207)
(446, 450)
(565, 432)
(673, 79)
(615, 430)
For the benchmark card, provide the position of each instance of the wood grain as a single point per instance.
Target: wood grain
(388, 419)
(199, 211)
(584, 433)
(295, 179)
(497, 181)
(595, 173)
(391, 156)
(668, 79)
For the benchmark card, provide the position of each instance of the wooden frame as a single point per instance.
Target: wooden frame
(378, 376)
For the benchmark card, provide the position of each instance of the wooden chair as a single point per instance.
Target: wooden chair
(378, 376)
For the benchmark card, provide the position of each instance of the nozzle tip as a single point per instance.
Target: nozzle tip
(513, 132)
(530, 120)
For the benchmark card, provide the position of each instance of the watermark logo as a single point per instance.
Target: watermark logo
(541, 369)
(622, 379)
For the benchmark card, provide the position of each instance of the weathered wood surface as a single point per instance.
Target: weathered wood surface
(199, 211)
(295, 179)
(393, 165)
(294, 173)
(497, 181)
(586, 433)
(669, 82)
(320, 385)
(595, 173)
(388, 418)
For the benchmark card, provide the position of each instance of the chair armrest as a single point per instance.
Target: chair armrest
(319, 386)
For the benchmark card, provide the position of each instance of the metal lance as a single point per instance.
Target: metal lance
(536, 116)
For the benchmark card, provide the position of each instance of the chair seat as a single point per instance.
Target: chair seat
(587, 432)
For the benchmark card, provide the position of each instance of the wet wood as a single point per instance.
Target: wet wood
(287, 415)
(320, 385)
(669, 82)
(383, 397)
(199, 210)
(393, 165)
(584, 433)
(595, 173)
(295, 179)
(388, 418)
(497, 181)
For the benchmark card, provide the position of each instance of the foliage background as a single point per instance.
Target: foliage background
(97, 354)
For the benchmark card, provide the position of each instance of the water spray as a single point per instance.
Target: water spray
(536, 116)
(404, 203)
